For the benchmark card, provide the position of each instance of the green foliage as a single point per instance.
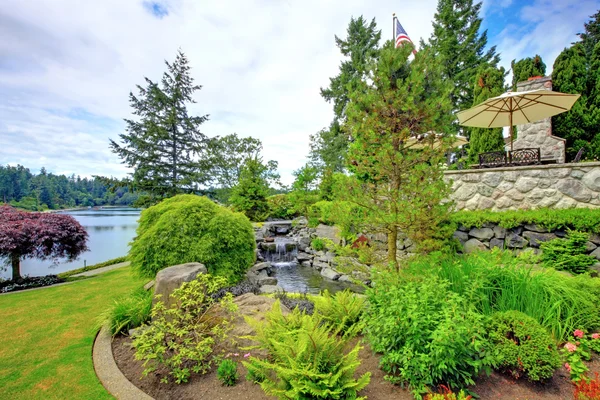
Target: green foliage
(317, 244)
(427, 334)
(489, 82)
(405, 98)
(503, 282)
(181, 340)
(255, 373)
(304, 189)
(227, 372)
(527, 68)
(128, 312)
(306, 360)
(522, 346)
(163, 144)
(344, 214)
(447, 394)
(189, 228)
(591, 35)
(341, 312)
(579, 219)
(251, 192)
(280, 207)
(568, 254)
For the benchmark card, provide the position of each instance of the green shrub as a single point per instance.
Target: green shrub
(227, 372)
(189, 228)
(568, 254)
(255, 373)
(280, 207)
(128, 312)
(181, 340)
(342, 312)
(522, 346)
(306, 360)
(447, 394)
(344, 214)
(318, 244)
(427, 334)
(580, 219)
(323, 210)
(503, 282)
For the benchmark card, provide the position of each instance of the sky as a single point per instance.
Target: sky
(67, 66)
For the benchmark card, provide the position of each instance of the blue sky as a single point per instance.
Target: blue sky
(67, 66)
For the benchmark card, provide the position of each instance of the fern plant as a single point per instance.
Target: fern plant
(342, 312)
(568, 254)
(307, 360)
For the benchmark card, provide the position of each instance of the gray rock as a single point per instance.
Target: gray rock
(173, 277)
(306, 263)
(258, 267)
(319, 265)
(497, 242)
(463, 228)
(492, 179)
(535, 238)
(271, 289)
(465, 192)
(303, 243)
(361, 276)
(595, 270)
(589, 247)
(535, 228)
(269, 246)
(345, 278)
(330, 274)
(461, 236)
(481, 233)
(596, 253)
(329, 232)
(575, 189)
(516, 230)
(524, 185)
(472, 245)
(499, 232)
(514, 241)
(300, 222)
(592, 180)
(267, 281)
(595, 238)
(303, 257)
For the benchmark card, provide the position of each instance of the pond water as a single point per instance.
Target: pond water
(295, 278)
(110, 231)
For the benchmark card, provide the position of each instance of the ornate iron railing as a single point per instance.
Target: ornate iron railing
(492, 159)
(530, 156)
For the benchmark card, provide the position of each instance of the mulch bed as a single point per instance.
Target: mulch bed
(29, 283)
(496, 386)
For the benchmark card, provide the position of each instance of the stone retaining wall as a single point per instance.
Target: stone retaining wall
(512, 188)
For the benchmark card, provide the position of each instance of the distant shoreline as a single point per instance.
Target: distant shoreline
(85, 208)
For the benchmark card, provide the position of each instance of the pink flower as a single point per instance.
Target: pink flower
(236, 354)
(568, 367)
(570, 347)
(595, 335)
(246, 355)
(578, 333)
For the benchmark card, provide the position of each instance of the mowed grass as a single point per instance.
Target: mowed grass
(46, 337)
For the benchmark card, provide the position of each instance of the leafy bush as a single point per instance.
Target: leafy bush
(580, 219)
(447, 394)
(306, 360)
(503, 282)
(342, 312)
(568, 254)
(181, 340)
(189, 228)
(318, 244)
(281, 207)
(29, 282)
(522, 346)
(255, 373)
(588, 389)
(227, 372)
(427, 334)
(128, 312)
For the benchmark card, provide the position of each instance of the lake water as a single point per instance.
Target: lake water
(110, 230)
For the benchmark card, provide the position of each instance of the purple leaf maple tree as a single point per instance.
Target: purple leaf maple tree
(45, 236)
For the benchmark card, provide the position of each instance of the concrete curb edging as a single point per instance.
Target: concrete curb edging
(109, 373)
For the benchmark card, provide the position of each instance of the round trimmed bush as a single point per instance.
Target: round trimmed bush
(522, 346)
(190, 228)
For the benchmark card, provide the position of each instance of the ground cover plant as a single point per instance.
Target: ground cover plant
(128, 312)
(306, 359)
(55, 326)
(227, 372)
(503, 282)
(189, 228)
(568, 254)
(28, 283)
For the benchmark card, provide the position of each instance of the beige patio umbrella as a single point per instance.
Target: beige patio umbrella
(517, 108)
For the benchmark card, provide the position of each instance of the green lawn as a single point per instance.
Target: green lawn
(46, 338)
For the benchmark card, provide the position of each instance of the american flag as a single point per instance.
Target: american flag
(401, 35)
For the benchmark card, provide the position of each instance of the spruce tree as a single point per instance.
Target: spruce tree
(527, 68)
(460, 47)
(360, 47)
(250, 194)
(489, 82)
(591, 35)
(570, 75)
(164, 142)
(594, 104)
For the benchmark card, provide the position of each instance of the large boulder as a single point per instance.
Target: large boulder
(481, 233)
(472, 245)
(535, 238)
(171, 278)
(330, 274)
(329, 232)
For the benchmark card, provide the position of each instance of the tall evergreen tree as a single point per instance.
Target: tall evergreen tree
(460, 47)
(594, 103)
(527, 68)
(489, 82)
(591, 35)
(250, 194)
(163, 144)
(329, 146)
(569, 75)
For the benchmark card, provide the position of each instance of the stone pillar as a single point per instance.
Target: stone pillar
(539, 133)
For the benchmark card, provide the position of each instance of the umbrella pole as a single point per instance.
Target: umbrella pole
(510, 111)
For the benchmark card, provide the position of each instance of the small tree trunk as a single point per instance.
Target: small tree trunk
(391, 246)
(15, 260)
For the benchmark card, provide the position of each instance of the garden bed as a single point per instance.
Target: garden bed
(29, 282)
(495, 386)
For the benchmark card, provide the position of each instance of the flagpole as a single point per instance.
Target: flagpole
(394, 28)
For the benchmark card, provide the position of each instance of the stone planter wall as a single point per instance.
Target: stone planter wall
(514, 188)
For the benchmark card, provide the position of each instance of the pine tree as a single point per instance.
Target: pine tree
(489, 82)
(527, 68)
(163, 144)
(399, 188)
(250, 194)
(460, 48)
(594, 103)
(591, 36)
(570, 75)
(329, 146)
